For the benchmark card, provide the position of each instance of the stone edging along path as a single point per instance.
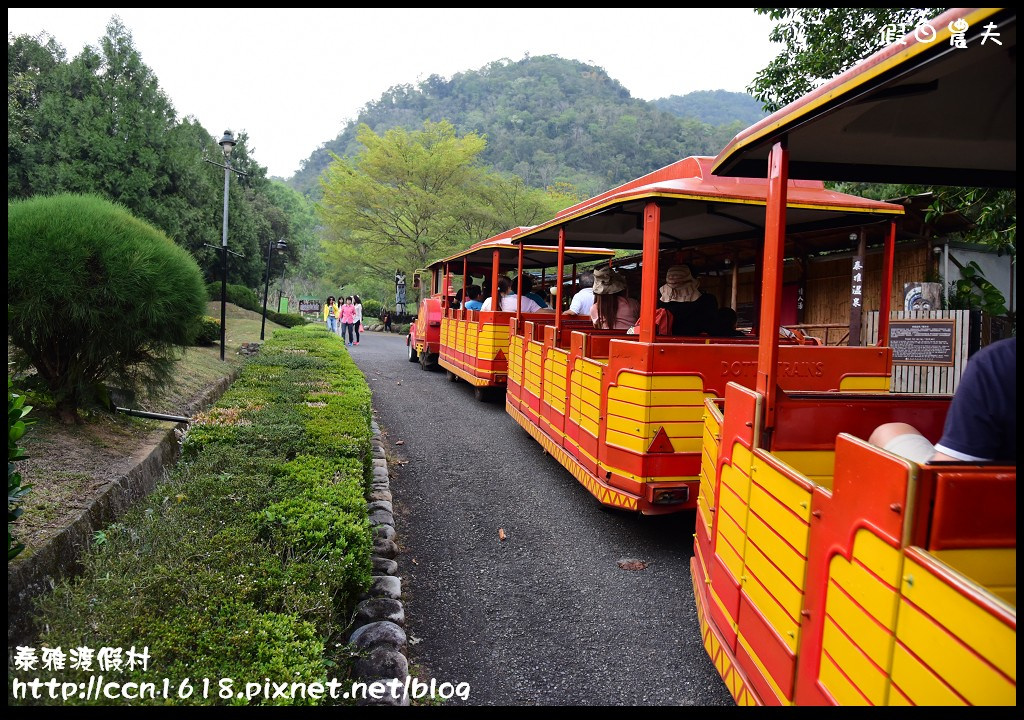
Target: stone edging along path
(379, 618)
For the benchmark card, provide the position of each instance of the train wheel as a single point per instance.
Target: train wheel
(452, 377)
(413, 357)
(481, 394)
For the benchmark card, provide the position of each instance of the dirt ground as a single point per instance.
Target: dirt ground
(70, 465)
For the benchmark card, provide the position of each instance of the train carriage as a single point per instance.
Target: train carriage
(828, 571)
(623, 412)
(472, 345)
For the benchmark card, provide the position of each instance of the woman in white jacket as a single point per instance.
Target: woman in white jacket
(358, 324)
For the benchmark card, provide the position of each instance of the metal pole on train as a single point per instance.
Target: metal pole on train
(649, 278)
(465, 285)
(495, 302)
(771, 286)
(519, 281)
(558, 295)
(735, 281)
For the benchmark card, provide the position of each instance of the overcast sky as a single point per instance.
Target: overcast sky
(292, 78)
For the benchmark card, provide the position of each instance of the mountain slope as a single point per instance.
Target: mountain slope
(715, 107)
(546, 119)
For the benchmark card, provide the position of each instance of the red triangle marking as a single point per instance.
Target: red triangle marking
(500, 356)
(661, 443)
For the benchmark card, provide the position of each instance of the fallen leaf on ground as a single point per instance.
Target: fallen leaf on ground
(501, 534)
(632, 564)
(399, 442)
(414, 561)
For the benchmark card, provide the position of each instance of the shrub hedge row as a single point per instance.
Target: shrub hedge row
(245, 298)
(247, 561)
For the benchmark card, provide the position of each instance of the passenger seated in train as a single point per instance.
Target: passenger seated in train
(725, 323)
(584, 298)
(524, 285)
(507, 301)
(693, 312)
(613, 309)
(981, 424)
(473, 293)
(456, 302)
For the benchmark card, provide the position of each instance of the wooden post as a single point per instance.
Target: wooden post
(885, 303)
(857, 274)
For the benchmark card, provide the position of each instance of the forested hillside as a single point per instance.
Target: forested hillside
(715, 107)
(545, 118)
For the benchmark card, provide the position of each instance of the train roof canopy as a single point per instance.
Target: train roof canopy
(534, 257)
(917, 111)
(702, 210)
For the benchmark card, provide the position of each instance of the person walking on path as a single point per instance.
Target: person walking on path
(385, 317)
(358, 324)
(331, 314)
(348, 316)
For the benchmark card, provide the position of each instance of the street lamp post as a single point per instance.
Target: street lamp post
(281, 245)
(227, 144)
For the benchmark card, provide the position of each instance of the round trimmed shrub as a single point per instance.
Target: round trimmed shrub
(95, 295)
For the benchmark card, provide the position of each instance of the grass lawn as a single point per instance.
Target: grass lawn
(68, 465)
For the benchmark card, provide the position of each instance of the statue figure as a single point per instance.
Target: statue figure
(400, 292)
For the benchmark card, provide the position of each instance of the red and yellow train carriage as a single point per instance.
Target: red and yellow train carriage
(623, 412)
(828, 571)
(472, 345)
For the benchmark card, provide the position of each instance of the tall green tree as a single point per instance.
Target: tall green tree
(820, 43)
(100, 124)
(398, 203)
(409, 198)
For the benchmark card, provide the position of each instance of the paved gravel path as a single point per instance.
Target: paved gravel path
(547, 616)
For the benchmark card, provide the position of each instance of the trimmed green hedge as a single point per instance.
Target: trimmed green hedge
(247, 561)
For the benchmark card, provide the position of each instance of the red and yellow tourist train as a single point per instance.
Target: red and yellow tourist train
(828, 571)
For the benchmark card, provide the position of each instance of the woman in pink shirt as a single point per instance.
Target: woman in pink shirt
(348, 319)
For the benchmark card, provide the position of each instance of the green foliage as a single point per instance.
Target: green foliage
(247, 561)
(409, 198)
(97, 295)
(286, 319)
(238, 295)
(715, 107)
(372, 308)
(820, 43)
(208, 333)
(100, 124)
(17, 410)
(973, 290)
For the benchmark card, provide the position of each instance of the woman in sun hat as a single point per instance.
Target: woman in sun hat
(612, 308)
(693, 312)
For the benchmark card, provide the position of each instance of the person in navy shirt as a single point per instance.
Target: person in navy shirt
(981, 425)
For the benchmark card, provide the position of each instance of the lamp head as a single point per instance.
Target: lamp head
(227, 143)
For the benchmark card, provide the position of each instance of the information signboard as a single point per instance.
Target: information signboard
(923, 342)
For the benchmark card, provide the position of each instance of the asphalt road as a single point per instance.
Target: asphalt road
(546, 616)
